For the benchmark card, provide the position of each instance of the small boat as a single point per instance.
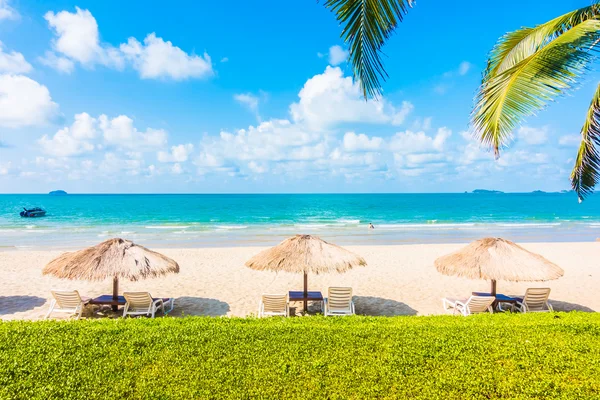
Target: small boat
(33, 212)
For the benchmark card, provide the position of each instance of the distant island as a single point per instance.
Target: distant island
(483, 191)
(58, 193)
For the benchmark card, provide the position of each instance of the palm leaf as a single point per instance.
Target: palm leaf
(586, 171)
(518, 45)
(528, 73)
(367, 24)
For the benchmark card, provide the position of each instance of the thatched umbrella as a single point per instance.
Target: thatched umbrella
(498, 259)
(306, 254)
(114, 258)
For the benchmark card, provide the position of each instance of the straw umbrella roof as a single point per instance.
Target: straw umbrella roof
(306, 254)
(114, 258)
(498, 259)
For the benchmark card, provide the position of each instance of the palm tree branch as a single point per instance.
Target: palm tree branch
(518, 45)
(506, 97)
(586, 172)
(367, 24)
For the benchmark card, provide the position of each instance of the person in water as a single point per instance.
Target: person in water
(371, 226)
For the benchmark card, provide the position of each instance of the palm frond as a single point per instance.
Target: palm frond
(525, 75)
(367, 24)
(586, 171)
(518, 45)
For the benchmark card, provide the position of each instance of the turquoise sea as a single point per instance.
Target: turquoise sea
(182, 220)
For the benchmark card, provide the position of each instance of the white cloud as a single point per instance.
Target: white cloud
(224, 59)
(176, 169)
(156, 58)
(61, 64)
(24, 102)
(121, 133)
(571, 140)
(330, 98)
(248, 100)
(464, 68)
(521, 157)
(78, 39)
(361, 142)
(178, 154)
(6, 11)
(5, 168)
(419, 142)
(73, 140)
(337, 55)
(13, 62)
(533, 136)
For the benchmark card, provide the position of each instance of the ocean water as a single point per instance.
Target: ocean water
(180, 220)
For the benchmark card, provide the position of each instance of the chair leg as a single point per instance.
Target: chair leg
(52, 304)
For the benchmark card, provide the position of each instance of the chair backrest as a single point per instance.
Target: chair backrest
(479, 304)
(339, 298)
(138, 300)
(67, 298)
(536, 298)
(274, 303)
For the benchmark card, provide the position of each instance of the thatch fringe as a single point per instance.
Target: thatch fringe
(498, 259)
(306, 254)
(118, 258)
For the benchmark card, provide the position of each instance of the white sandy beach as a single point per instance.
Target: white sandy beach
(399, 280)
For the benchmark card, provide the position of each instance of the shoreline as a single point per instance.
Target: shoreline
(398, 280)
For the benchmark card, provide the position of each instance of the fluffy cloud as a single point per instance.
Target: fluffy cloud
(248, 100)
(533, 136)
(572, 140)
(330, 98)
(61, 64)
(337, 55)
(87, 134)
(361, 142)
(120, 132)
(13, 62)
(6, 11)
(178, 154)
(156, 58)
(77, 40)
(24, 102)
(419, 142)
(73, 140)
(5, 168)
(464, 68)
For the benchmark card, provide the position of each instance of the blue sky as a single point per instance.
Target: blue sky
(256, 97)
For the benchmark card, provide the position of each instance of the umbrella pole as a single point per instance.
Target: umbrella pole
(493, 292)
(115, 295)
(305, 292)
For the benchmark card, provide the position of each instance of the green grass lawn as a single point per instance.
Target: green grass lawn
(441, 357)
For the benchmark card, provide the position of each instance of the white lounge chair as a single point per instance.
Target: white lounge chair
(473, 305)
(274, 305)
(338, 302)
(67, 301)
(535, 300)
(142, 303)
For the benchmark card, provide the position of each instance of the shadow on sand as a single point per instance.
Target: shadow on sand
(566, 306)
(199, 306)
(368, 305)
(14, 304)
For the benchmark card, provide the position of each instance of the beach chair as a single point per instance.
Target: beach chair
(274, 305)
(142, 303)
(535, 300)
(473, 305)
(67, 301)
(338, 302)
